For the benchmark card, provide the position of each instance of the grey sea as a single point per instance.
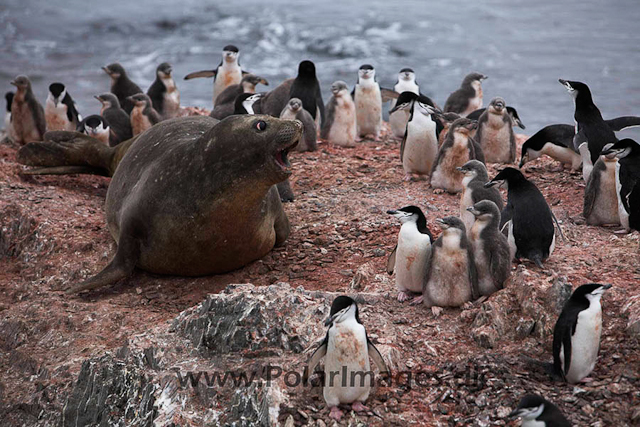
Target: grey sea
(523, 46)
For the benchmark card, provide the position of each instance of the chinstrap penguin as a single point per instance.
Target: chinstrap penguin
(600, 196)
(121, 85)
(143, 115)
(368, 100)
(225, 102)
(28, 122)
(536, 411)
(346, 349)
(473, 190)
(294, 111)
(163, 92)
(495, 133)
(118, 119)
(468, 97)
(412, 253)
(339, 127)
(627, 151)
(555, 141)
(95, 126)
(398, 118)
(576, 336)
(246, 102)
(60, 111)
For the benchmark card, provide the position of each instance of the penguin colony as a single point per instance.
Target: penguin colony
(473, 255)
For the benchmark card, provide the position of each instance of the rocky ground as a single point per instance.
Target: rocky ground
(113, 357)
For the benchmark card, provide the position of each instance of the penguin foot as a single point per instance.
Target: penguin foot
(336, 413)
(586, 380)
(436, 311)
(358, 407)
(417, 300)
(438, 191)
(404, 296)
(623, 231)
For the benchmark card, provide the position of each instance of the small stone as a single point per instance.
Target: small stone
(378, 252)
(289, 422)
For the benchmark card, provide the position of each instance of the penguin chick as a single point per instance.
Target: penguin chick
(419, 146)
(538, 412)
(368, 100)
(443, 123)
(468, 97)
(513, 114)
(60, 110)
(28, 123)
(450, 278)
(398, 119)
(346, 349)
(118, 119)
(121, 86)
(526, 218)
(96, 127)
(600, 197)
(143, 115)
(294, 111)
(627, 151)
(163, 92)
(495, 133)
(339, 127)
(457, 149)
(576, 336)
(490, 248)
(225, 101)
(412, 253)
(7, 115)
(555, 141)
(473, 190)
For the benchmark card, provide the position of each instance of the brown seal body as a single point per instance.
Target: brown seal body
(192, 197)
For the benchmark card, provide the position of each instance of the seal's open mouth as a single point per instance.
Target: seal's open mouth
(282, 156)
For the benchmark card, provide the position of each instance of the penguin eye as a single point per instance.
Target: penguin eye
(261, 125)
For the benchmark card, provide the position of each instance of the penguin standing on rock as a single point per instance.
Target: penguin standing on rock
(536, 411)
(513, 114)
(412, 253)
(60, 110)
(117, 118)
(576, 336)
(490, 248)
(339, 127)
(527, 217)
(121, 85)
(28, 123)
(627, 151)
(468, 97)
(307, 88)
(346, 349)
(226, 74)
(163, 92)
(294, 111)
(143, 115)
(591, 129)
(419, 146)
(473, 190)
(96, 127)
(368, 99)
(7, 115)
(600, 196)
(456, 150)
(398, 118)
(495, 133)
(450, 278)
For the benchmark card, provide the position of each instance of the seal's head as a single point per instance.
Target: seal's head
(254, 146)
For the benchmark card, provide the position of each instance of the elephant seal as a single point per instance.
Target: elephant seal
(191, 197)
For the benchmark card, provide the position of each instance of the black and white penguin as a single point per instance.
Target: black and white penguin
(225, 101)
(468, 97)
(307, 88)
(412, 253)
(590, 126)
(576, 336)
(294, 111)
(490, 248)
(60, 111)
(627, 151)
(495, 133)
(121, 86)
(7, 114)
(368, 100)
(398, 117)
(536, 411)
(96, 127)
(473, 190)
(451, 278)
(600, 196)
(555, 141)
(456, 150)
(419, 146)
(513, 114)
(244, 103)
(164, 93)
(143, 115)
(339, 127)
(227, 73)
(346, 349)
(526, 216)
(28, 123)
(118, 119)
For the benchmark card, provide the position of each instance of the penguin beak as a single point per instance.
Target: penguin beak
(264, 82)
(403, 106)
(484, 78)
(106, 70)
(607, 286)
(490, 184)
(473, 211)
(515, 413)
(13, 82)
(459, 169)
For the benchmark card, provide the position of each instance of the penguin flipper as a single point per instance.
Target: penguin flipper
(377, 358)
(388, 94)
(515, 118)
(578, 139)
(473, 273)
(624, 122)
(391, 262)
(202, 73)
(318, 354)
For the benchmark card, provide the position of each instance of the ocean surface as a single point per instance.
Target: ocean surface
(523, 46)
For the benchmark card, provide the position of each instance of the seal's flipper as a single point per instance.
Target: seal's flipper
(65, 170)
(285, 191)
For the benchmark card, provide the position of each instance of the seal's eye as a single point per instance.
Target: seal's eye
(261, 125)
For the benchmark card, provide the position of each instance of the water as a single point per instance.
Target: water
(523, 46)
